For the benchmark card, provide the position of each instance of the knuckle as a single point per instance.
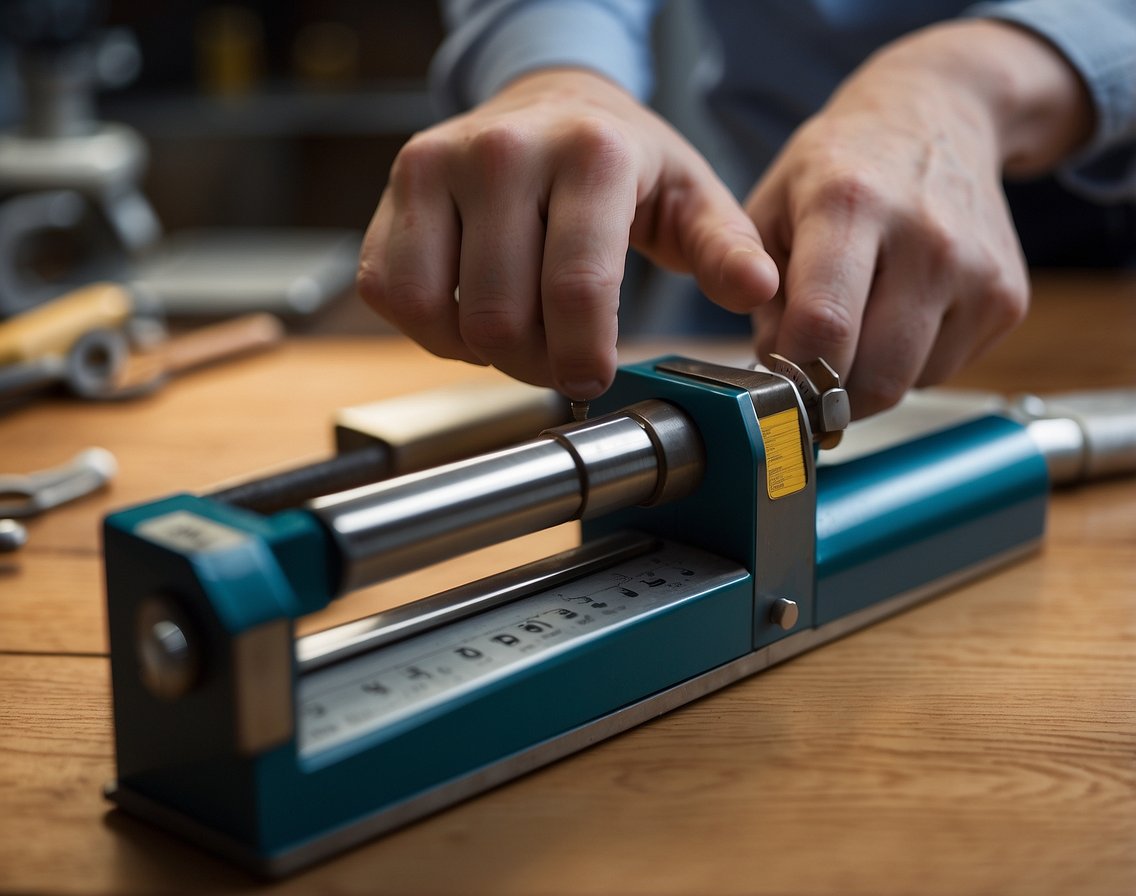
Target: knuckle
(1007, 297)
(583, 286)
(942, 244)
(413, 306)
(849, 193)
(597, 148)
(370, 283)
(820, 319)
(408, 303)
(492, 330)
(497, 149)
(418, 163)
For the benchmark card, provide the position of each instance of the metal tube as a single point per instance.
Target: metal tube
(646, 453)
(1083, 435)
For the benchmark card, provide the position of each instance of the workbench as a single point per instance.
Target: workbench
(984, 742)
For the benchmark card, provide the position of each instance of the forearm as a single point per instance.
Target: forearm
(1007, 79)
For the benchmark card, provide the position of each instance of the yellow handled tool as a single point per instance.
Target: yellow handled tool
(51, 329)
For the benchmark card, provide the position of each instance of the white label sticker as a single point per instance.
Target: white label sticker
(185, 531)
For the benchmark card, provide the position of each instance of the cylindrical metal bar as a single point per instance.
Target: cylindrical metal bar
(649, 452)
(1062, 443)
(289, 488)
(358, 636)
(400, 435)
(1083, 435)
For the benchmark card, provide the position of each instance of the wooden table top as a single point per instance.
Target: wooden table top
(984, 742)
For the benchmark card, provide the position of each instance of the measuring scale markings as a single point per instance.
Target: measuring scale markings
(340, 702)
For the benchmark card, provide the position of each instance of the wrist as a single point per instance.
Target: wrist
(561, 83)
(1035, 103)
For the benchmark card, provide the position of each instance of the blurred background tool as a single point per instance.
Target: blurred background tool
(52, 328)
(153, 367)
(91, 362)
(25, 495)
(28, 494)
(81, 339)
(13, 536)
(289, 271)
(99, 343)
(73, 208)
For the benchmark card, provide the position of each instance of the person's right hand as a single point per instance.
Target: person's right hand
(886, 209)
(502, 233)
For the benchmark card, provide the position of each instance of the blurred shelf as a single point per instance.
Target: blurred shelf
(278, 112)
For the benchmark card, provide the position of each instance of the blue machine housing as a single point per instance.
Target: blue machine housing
(919, 515)
(926, 513)
(885, 526)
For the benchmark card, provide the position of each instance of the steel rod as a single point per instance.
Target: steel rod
(648, 453)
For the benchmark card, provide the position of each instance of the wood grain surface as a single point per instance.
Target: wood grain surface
(984, 742)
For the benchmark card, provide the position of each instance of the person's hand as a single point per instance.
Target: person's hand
(886, 215)
(525, 207)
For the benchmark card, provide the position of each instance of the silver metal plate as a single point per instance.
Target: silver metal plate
(346, 700)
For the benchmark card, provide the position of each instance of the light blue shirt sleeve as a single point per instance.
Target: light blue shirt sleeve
(1098, 37)
(491, 42)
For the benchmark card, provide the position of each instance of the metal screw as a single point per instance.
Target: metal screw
(167, 652)
(784, 613)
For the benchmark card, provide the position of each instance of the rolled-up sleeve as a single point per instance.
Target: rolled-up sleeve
(491, 42)
(1098, 38)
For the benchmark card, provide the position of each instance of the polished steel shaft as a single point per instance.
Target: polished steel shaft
(648, 453)
(1083, 435)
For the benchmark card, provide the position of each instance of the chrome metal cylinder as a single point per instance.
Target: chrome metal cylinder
(1062, 443)
(647, 453)
(1083, 435)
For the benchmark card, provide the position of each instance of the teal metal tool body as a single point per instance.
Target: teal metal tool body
(713, 546)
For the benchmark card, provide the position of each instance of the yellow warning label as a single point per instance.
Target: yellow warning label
(784, 457)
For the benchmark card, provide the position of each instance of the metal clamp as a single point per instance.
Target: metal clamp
(825, 399)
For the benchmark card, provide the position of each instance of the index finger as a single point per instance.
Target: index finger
(590, 211)
(832, 263)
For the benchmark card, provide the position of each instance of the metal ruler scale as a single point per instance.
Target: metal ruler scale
(379, 693)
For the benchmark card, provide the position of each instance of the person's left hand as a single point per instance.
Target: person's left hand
(886, 215)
